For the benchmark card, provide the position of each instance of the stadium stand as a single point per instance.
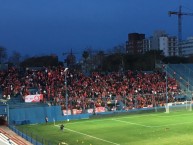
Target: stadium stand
(87, 94)
(183, 74)
(10, 139)
(85, 91)
(98, 92)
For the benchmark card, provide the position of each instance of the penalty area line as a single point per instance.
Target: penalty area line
(90, 136)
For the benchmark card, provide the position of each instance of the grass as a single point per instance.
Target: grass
(137, 129)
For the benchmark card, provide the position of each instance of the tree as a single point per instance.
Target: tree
(41, 61)
(15, 58)
(112, 62)
(98, 60)
(119, 48)
(3, 54)
(85, 55)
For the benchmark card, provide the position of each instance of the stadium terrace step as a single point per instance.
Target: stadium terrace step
(10, 138)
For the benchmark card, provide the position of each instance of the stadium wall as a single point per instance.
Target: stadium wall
(20, 116)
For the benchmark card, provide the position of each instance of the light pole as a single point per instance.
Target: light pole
(188, 80)
(115, 105)
(66, 93)
(166, 85)
(167, 107)
(153, 100)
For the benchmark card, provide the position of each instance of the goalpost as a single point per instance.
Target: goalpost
(188, 105)
(179, 106)
(184, 104)
(167, 108)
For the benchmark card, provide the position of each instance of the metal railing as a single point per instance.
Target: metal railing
(30, 137)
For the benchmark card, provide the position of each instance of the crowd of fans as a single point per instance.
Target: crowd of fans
(135, 89)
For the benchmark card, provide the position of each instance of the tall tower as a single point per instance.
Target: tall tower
(179, 13)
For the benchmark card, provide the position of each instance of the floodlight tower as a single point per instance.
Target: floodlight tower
(179, 13)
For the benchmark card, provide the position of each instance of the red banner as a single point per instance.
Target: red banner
(99, 109)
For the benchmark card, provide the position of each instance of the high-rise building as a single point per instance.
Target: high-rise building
(137, 43)
(187, 47)
(146, 45)
(168, 45)
(134, 45)
(163, 45)
(155, 39)
(173, 49)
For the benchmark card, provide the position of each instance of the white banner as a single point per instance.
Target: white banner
(33, 98)
(65, 112)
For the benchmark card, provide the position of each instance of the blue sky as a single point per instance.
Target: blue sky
(37, 27)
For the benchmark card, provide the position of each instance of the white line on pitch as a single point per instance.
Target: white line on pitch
(87, 121)
(91, 136)
(151, 126)
(175, 115)
(173, 124)
(156, 115)
(130, 123)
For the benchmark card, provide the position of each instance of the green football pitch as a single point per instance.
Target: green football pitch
(174, 128)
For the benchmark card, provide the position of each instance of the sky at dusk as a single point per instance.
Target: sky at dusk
(39, 27)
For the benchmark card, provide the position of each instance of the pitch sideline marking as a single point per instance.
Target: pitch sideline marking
(132, 116)
(87, 121)
(156, 115)
(90, 136)
(185, 114)
(131, 123)
(151, 126)
(115, 117)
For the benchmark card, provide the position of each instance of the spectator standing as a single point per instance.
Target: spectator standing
(46, 119)
(62, 127)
